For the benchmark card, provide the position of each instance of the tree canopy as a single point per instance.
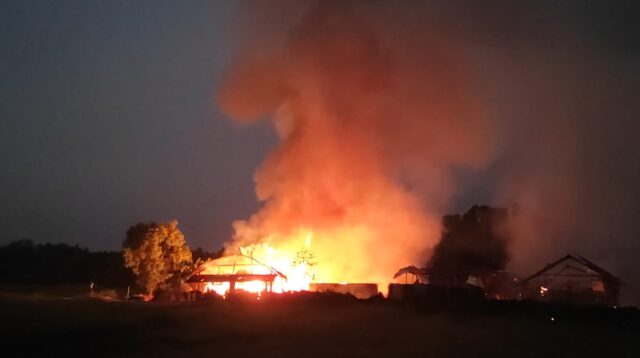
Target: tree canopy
(24, 262)
(156, 253)
(476, 240)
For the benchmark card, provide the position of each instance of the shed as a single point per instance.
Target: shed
(572, 279)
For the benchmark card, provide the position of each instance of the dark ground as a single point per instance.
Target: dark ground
(40, 325)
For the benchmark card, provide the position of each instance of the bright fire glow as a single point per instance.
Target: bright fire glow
(369, 130)
(296, 263)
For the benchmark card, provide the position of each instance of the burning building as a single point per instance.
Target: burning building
(224, 275)
(280, 272)
(572, 279)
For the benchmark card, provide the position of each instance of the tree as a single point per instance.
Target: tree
(156, 253)
(24, 262)
(473, 241)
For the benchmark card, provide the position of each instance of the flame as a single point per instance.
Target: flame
(369, 129)
(292, 265)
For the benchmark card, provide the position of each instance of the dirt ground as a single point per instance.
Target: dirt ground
(44, 326)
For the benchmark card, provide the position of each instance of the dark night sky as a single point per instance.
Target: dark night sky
(107, 117)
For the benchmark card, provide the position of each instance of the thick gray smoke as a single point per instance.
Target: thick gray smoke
(536, 103)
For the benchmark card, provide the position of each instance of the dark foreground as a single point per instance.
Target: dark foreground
(44, 326)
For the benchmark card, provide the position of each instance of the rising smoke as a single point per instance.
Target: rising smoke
(381, 105)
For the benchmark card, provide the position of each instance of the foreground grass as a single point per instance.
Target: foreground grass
(36, 326)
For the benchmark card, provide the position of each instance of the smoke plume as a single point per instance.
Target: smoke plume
(389, 112)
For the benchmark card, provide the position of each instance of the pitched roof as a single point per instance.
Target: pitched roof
(581, 260)
(233, 265)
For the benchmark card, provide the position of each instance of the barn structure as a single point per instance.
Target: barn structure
(241, 273)
(229, 273)
(572, 279)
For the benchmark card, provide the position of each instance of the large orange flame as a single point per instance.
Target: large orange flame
(296, 260)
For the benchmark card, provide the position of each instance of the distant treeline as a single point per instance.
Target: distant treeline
(24, 262)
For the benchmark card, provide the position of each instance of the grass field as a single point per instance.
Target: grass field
(34, 325)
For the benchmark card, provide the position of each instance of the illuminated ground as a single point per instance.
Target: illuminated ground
(39, 326)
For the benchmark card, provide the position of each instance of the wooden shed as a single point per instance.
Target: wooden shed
(572, 279)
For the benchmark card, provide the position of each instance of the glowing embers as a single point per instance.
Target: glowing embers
(543, 291)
